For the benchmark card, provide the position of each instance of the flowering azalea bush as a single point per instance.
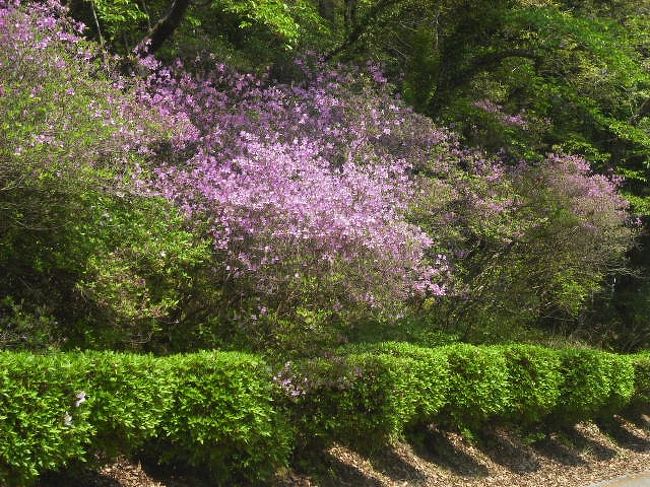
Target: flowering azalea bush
(306, 188)
(172, 207)
(87, 255)
(524, 240)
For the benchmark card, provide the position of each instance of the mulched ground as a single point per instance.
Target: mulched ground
(574, 457)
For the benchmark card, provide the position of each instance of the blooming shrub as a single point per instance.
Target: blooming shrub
(518, 120)
(85, 250)
(320, 202)
(585, 220)
(306, 188)
(524, 240)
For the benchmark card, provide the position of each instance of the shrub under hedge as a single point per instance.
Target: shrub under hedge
(226, 414)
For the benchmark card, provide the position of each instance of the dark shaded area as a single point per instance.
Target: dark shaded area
(165, 27)
(327, 470)
(177, 475)
(622, 436)
(508, 451)
(555, 449)
(638, 416)
(77, 479)
(434, 446)
(584, 444)
(388, 462)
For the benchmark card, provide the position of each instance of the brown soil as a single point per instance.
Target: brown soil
(574, 457)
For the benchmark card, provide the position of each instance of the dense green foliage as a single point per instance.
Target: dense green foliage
(222, 416)
(40, 428)
(63, 408)
(479, 383)
(225, 414)
(641, 364)
(535, 378)
(594, 383)
(383, 208)
(87, 257)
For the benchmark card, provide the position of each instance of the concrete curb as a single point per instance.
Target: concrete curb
(635, 480)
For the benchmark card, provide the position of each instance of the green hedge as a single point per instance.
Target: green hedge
(359, 397)
(595, 384)
(128, 396)
(641, 364)
(223, 417)
(479, 388)
(428, 370)
(40, 427)
(622, 377)
(227, 415)
(535, 380)
(211, 410)
(369, 395)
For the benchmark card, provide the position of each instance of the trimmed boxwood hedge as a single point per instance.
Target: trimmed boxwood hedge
(128, 396)
(40, 427)
(222, 418)
(212, 410)
(641, 396)
(535, 381)
(352, 398)
(479, 388)
(595, 384)
(368, 395)
(230, 416)
(428, 372)
(621, 383)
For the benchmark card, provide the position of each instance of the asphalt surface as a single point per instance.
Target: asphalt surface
(639, 480)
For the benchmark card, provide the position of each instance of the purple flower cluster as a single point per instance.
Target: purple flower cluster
(78, 111)
(324, 194)
(592, 198)
(305, 185)
(516, 120)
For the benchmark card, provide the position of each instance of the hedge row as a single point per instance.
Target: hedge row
(213, 410)
(381, 390)
(228, 414)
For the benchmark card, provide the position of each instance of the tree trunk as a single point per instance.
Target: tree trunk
(164, 28)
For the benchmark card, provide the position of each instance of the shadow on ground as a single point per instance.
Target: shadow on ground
(558, 448)
(588, 446)
(77, 479)
(624, 436)
(327, 470)
(507, 450)
(436, 447)
(391, 464)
